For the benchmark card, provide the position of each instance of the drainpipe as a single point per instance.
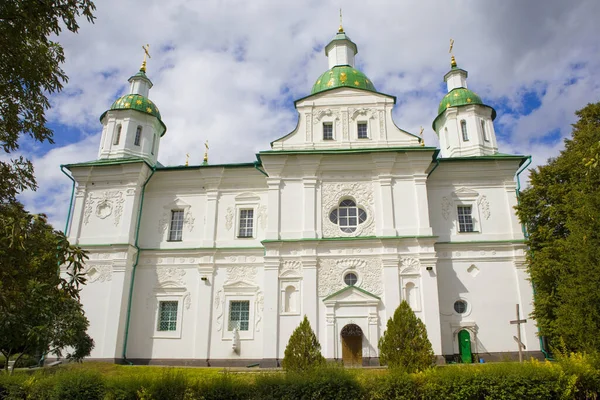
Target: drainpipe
(71, 201)
(437, 164)
(137, 259)
(260, 170)
(526, 236)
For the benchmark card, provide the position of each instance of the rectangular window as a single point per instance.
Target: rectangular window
(167, 316)
(176, 230)
(246, 223)
(153, 144)
(362, 130)
(465, 219)
(239, 315)
(327, 131)
(117, 137)
(484, 132)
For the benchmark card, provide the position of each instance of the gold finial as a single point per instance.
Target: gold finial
(206, 152)
(146, 53)
(187, 159)
(421, 135)
(452, 59)
(341, 30)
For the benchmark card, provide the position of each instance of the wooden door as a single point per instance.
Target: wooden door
(464, 346)
(352, 350)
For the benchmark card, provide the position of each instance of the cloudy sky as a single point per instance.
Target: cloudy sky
(228, 72)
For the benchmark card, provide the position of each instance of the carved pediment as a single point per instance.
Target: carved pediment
(247, 196)
(240, 286)
(352, 295)
(465, 193)
(177, 204)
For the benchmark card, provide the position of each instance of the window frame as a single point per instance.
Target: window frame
(347, 208)
(329, 124)
(165, 297)
(464, 130)
(229, 314)
(470, 215)
(170, 320)
(484, 131)
(138, 135)
(117, 135)
(468, 308)
(239, 222)
(366, 125)
(239, 294)
(170, 232)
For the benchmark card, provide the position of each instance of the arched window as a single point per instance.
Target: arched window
(484, 132)
(117, 136)
(138, 136)
(290, 299)
(463, 128)
(153, 144)
(347, 216)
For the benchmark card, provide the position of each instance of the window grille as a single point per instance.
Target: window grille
(176, 230)
(465, 219)
(246, 223)
(362, 130)
(167, 317)
(239, 315)
(327, 131)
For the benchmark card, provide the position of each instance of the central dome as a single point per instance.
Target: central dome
(342, 76)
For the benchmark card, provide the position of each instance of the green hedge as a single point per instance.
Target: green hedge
(573, 378)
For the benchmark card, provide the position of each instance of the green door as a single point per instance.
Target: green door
(464, 346)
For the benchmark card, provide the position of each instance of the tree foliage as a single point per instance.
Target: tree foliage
(561, 211)
(30, 70)
(40, 310)
(303, 351)
(405, 345)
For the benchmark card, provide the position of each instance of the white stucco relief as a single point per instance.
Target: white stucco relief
(484, 206)
(410, 265)
(98, 273)
(103, 205)
(446, 207)
(362, 193)
(262, 216)
(330, 274)
(188, 221)
(326, 113)
(290, 267)
(170, 275)
(229, 218)
(242, 276)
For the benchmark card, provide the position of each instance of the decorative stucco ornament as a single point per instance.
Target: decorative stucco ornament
(484, 206)
(446, 207)
(170, 275)
(260, 306)
(229, 218)
(219, 309)
(362, 193)
(108, 202)
(308, 127)
(290, 267)
(98, 273)
(330, 274)
(241, 274)
(262, 216)
(410, 266)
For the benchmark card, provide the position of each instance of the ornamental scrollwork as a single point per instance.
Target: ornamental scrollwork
(362, 193)
(410, 265)
(260, 306)
(330, 275)
(308, 127)
(484, 206)
(290, 267)
(381, 124)
(171, 275)
(241, 274)
(108, 202)
(219, 307)
(446, 207)
(262, 216)
(98, 273)
(326, 112)
(229, 218)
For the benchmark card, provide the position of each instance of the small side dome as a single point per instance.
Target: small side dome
(459, 97)
(136, 102)
(342, 76)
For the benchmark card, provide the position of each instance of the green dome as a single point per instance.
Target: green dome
(459, 97)
(342, 76)
(136, 102)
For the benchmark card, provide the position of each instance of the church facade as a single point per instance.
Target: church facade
(341, 220)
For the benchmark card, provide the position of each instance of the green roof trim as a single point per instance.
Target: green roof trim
(514, 241)
(342, 76)
(202, 166)
(342, 36)
(348, 288)
(497, 156)
(342, 239)
(110, 161)
(348, 151)
(460, 97)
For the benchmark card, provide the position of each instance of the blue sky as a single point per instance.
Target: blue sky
(228, 72)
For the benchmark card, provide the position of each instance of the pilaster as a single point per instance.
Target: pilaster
(391, 281)
(274, 197)
(421, 200)
(204, 307)
(271, 312)
(431, 307)
(310, 296)
(211, 218)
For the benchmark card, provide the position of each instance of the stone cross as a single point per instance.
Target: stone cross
(517, 338)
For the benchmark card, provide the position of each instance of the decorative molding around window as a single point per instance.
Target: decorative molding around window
(484, 132)
(463, 129)
(248, 214)
(350, 220)
(410, 279)
(468, 205)
(331, 274)
(327, 131)
(362, 130)
(167, 316)
(246, 223)
(177, 215)
(117, 135)
(138, 135)
(465, 218)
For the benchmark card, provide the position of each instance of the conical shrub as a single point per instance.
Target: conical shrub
(303, 351)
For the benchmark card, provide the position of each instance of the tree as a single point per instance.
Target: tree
(561, 211)
(40, 311)
(29, 71)
(303, 351)
(405, 345)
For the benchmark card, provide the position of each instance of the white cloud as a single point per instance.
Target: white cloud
(221, 68)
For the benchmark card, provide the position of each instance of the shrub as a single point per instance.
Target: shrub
(405, 344)
(303, 351)
(78, 385)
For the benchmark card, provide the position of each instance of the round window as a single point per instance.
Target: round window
(460, 306)
(350, 279)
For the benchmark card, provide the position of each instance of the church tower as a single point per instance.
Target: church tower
(132, 127)
(464, 124)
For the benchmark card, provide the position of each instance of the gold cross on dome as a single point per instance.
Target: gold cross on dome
(341, 30)
(451, 46)
(146, 54)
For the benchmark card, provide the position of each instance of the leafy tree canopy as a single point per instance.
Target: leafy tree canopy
(39, 309)
(561, 210)
(30, 71)
(303, 351)
(405, 345)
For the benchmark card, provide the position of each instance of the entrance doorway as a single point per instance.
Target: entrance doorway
(464, 346)
(352, 337)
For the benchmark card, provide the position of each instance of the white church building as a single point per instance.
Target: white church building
(341, 220)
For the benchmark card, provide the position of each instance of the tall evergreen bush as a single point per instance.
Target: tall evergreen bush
(303, 351)
(404, 344)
